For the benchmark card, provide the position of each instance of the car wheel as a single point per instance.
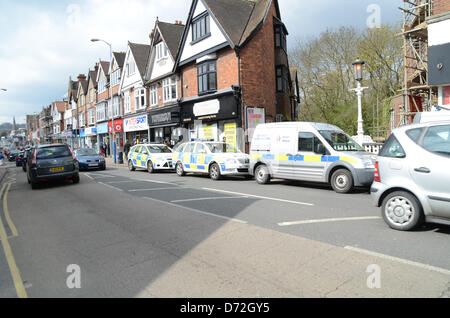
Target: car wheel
(131, 166)
(34, 185)
(214, 171)
(401, 211)
(342, 181)
(179, 169)
(103, 168)
(28, 179)
(150, 166)
(262, 174)
(76, 178)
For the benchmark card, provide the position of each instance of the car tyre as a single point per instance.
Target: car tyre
(76, 178)
(214, 171)
(342, 181)
(401, 211)
(150, 167)
(131, 166)
(262, 174)
(34, 185)
(179, 169)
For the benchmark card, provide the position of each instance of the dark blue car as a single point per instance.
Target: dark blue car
(89, 159)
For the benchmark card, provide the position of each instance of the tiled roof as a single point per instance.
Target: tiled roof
(140, 54)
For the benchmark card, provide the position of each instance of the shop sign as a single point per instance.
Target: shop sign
(118, 126)
(136, 123)
(230, 134)
(91, 131)
(209, 107)
(102, 129)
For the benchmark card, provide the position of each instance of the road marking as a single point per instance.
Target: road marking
(329, 220)
(111, 182)
(15, 273)
(203, 199)
(162, 182)
(259, 197)
(400, 260)
(157, 189)
(7, 215)
(101, 175)
(197, 211)
(90, 177)
(110, 186)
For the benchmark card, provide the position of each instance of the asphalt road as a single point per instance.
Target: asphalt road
(135, 234)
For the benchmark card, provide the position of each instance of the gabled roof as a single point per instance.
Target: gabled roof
(238, 20)
(105, 67)
(140, 54)
(120, 58)
(172, 35)
(59, 106)
(93, 76)
(73, 89)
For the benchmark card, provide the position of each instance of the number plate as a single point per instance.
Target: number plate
(93, 165)
(58, 169)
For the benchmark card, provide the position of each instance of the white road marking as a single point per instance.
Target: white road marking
(328, 220)
(110, 186)
(101, 175)
(162, 182)
(260, 197)
(204, 199)
(110, 182)
(197, 211)
(157, 189)
(87, 175)
(400, 260)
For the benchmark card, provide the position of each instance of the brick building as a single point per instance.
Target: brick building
(234, 69)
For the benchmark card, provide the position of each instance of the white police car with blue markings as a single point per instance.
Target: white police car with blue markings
(208, 157)
(310, 152)
(150, 157)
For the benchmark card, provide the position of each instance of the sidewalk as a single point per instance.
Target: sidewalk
(110, 163)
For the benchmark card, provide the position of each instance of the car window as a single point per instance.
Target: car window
(305, 141)
(437, 140)
(414, 134)
(159, 149)
(392, 148)
(53, 152)
(138, 149)
(189, 148)
(179, 148)
(144, 150)
(200, 147)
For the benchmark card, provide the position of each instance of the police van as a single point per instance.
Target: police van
(310, 152)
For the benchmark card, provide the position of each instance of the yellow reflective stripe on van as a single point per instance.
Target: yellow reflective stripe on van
(281, 157)
(312, 158)
(348, 159)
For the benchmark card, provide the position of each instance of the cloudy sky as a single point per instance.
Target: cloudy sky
(43, 42)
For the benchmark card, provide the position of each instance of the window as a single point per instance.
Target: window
(102, 85)
(139, 96)
(200, 28)
(115, 78)
(414, 134)
(127, 102)
(282, 79)
(170, 89)
(161, 51)
(437, 140)
(91, 116)
(340, 141)
(200, 148)
(91, 95)
(392, 149)
(207, 77)
(153, 95)
(101, 112)
(280, 37)
(131, 68)
(82, 119)
(82, 100)
(116, 106)
(308, 142)
(189, 148)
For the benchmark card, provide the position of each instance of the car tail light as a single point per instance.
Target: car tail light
(33, 161)
(377, 177)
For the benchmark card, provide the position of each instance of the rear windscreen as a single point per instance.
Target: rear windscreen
(53, 152)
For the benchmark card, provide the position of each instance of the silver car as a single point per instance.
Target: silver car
(412, 176)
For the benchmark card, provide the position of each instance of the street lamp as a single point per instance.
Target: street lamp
(112, 141)
(358, 67)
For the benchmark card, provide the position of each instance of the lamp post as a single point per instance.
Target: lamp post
(358, 67)
(112, 141)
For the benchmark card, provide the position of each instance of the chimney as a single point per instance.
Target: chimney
(96, 67)
(81, 77)
(152, 35)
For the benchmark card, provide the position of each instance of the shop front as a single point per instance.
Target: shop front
(213, 120)
(163, 124)
(91, 137)
(136, 129)
(102, 137)
(117, 146)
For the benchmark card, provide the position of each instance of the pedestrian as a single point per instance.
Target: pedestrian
(1, 159)
(126, 148)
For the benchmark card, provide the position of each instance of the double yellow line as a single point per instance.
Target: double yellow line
(15, 273)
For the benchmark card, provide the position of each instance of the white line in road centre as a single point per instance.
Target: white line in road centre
(328, 220)
(131, 181)
(110, 186)
(401, 260)
(87, 175)
(259, 197)
(158, 189)
(162, 182)
(197, 211)
(204, 199)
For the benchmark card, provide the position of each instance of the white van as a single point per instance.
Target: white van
(427, 117)
(310, 152)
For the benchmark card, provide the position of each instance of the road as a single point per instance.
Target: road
(135, 234)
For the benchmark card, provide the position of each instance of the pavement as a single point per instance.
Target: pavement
(135, 234)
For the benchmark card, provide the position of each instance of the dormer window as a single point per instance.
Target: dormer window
(200, 28)
(161, 51)
(280, 37)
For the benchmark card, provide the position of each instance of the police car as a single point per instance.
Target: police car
(151, 157)
(208, 157)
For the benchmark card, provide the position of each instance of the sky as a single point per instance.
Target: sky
(43, 42)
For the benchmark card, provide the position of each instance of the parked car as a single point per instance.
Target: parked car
(310, 152)
(412, 176)
(150, 157)
(12, 155)
(27, 153)
(19, 159)
(214, 158)
(49, 162)
(89, 158)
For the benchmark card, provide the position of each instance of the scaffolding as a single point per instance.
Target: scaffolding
(417, 95)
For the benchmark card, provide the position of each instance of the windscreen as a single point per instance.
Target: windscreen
(340, 141)
(87, 152)
(159, 149)
(53, 152)
(221, 147)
